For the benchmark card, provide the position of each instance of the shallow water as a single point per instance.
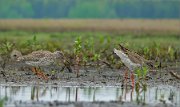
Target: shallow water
(153, 95)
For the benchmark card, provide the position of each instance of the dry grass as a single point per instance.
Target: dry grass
(109, 25)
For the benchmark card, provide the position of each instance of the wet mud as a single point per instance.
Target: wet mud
(15, 75)
(89, 76)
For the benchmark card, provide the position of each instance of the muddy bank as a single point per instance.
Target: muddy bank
(89, 76)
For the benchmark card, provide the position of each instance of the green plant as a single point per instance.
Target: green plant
(171, 53)
(156, 47)
(147, 52)
(96, 57)
(33, 44)
(89, 45)
(1, 103)
(88, 50)
(144, 71)
(6, 47)
(78, 45)
(77, 52)
(141, 72)
(85, 60)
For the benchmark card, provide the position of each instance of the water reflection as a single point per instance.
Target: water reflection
(153, 95)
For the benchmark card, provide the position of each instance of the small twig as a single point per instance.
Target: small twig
(109, 65)
(175, 74)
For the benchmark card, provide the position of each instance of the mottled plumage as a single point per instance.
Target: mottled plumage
(126, 60)
(41, 58)
(132, 59)
(136, 58)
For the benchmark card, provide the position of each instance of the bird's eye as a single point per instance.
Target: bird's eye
(15, 55)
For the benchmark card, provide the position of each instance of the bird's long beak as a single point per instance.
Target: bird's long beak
(18, 59)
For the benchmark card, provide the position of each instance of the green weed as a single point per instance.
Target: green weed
(171, 53)
(2, 102)
(6, 47)
(88, 45)
(77, 53)
(141, 74)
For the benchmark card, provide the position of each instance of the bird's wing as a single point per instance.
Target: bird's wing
(41, 62)
(135, 57)
(40, 53)
(28, 58)
(130, 53)
(35, 56)
(124, 49)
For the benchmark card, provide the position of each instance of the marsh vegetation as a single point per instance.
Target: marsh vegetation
(88, 50)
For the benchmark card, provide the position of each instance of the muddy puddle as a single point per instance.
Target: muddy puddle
(12, 96)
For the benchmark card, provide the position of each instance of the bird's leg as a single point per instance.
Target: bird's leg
(126, 75)
(39, 73)
(33, 69)
(132, 79)
(36, 71)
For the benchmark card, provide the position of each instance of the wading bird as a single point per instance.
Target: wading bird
(39, 59)
(131, 60)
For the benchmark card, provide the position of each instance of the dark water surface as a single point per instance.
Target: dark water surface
(153, 95)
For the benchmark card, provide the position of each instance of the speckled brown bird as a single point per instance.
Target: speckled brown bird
(39, 59)
(136, 58)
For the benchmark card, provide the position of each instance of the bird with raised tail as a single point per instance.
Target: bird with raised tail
(126, 60)
(131, 60)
